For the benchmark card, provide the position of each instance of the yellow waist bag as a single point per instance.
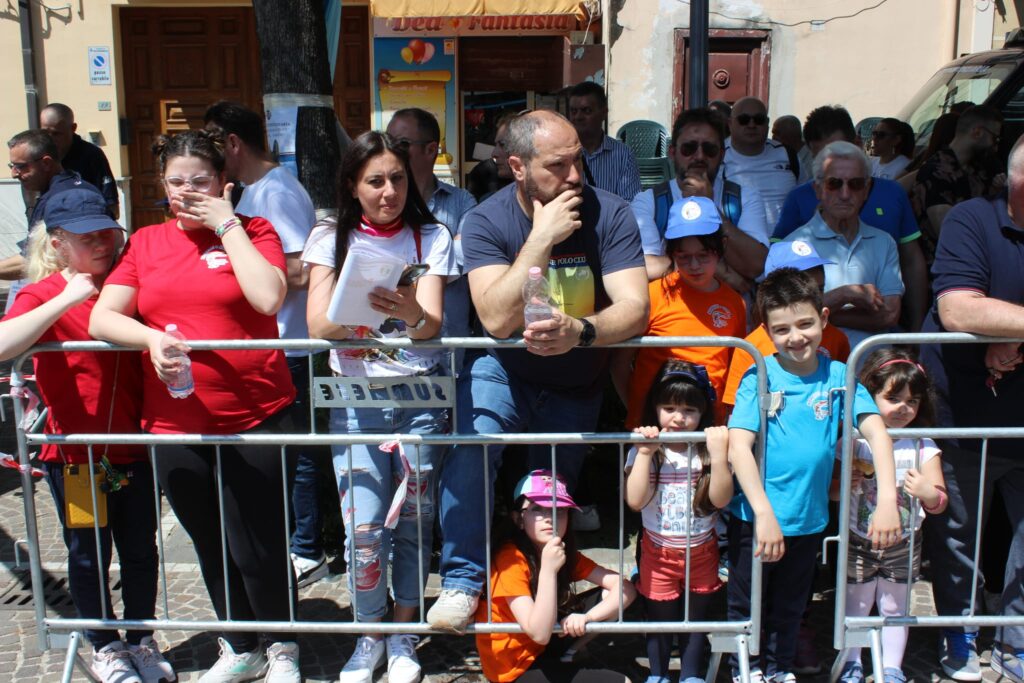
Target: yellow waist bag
(78, 495)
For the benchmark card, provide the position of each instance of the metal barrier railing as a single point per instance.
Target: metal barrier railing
(850, 631)
(740, 637)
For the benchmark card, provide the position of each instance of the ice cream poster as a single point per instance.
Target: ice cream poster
(418, 72)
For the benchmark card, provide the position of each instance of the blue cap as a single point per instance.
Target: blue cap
(79, 211)
(692, 216)
(796, 254)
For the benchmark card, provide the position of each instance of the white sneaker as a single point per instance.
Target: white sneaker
(150, 663)
(283, 660)
(586, 519)
(113, 664)
(453, 611)
(308, 571)
(403, 666)
(236, 668)
(367, 658)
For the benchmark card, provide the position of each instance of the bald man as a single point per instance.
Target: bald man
(752, 160)
(80, 156)
(788, 131)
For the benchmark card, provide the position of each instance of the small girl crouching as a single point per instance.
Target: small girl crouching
(678, 489)
(531, 584)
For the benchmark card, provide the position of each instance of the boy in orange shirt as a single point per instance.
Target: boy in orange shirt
(802, 256)
(688, 302)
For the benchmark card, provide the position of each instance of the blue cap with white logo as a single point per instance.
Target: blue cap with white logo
(796, 254)
(691, 217)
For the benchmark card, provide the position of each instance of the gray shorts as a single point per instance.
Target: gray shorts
(865, 564)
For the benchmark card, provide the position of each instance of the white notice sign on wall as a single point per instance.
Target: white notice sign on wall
(99, 66)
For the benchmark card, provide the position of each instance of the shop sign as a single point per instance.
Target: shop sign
(525, 24)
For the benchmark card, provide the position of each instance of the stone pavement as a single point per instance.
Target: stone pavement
(445, 659)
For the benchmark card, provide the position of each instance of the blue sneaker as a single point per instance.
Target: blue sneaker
(893, 675)
(852, 672)
(1008, 663)
(657, 679)
(958, 655)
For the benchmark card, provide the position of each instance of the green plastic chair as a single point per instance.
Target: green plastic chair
(647, 139)
(653, 171)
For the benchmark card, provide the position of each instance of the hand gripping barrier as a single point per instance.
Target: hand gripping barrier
(740, 637)
(850, 631)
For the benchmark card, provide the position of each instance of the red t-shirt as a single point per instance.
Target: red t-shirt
(79, 387)
(184, 277)
(506, 656)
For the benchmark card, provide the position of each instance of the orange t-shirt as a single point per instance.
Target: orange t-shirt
(833, 342)
(678, 310)
(506, 656)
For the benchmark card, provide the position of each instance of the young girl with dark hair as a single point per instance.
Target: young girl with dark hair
(532, 573)
(678, 489)
(216, 276)
(380, 206)
(903, 394)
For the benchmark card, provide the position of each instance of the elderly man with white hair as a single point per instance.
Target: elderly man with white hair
(979, 288)
(863, 287)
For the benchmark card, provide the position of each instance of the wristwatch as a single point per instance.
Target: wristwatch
(419, 323)
(588, 334)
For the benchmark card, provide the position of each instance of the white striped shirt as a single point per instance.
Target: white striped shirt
(669, 519)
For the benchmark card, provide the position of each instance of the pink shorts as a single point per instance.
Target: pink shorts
(663, 570)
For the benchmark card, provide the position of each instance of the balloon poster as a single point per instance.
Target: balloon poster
(419, 72)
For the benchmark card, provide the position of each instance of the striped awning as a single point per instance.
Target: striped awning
(468, 8)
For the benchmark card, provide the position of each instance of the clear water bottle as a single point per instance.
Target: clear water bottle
(182, 385)
(537, 297)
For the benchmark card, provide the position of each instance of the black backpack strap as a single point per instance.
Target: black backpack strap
(794, 163)
(732, 201)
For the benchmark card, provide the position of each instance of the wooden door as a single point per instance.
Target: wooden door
(352, 72)
(738, 65)
(177, 62)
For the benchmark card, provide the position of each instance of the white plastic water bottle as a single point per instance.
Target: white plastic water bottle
(182, 385)
(537, 297)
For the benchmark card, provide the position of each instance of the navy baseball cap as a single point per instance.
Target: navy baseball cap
(79, 211)
(691, 217)
(796, 254)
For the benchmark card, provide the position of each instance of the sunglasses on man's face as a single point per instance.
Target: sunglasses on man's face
(689, 148)
(836, 184)
(758, 119)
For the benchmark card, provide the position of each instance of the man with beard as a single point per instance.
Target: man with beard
(863, 287)
(698, 146)
(956, 173)
(587, 243)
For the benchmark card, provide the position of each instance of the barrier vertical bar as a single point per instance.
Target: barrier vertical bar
(285, 505)
(755, 567)
(419, 532)
(351, 514)
(845, 482)
(487, 536)
(977, 529)
(159, 530)
(223, 533)
(622, 531)
(101, 575)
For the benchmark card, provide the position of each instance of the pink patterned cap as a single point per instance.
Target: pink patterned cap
(537, 487)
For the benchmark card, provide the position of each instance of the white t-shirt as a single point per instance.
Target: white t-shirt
(281, 199)
(865, 498)
(665, 515)
(752, 216)
(891, 170)
(436, 251)
(770, 173)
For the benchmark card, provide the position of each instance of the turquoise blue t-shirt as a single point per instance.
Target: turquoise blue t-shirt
(802, 437)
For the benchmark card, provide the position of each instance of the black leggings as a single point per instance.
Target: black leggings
(257, 552)
(692, 646)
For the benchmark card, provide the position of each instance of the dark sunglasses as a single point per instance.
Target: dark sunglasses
(759, 119)
(855, 184)
(689, 148)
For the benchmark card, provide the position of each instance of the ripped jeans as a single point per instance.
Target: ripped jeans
(364, 506)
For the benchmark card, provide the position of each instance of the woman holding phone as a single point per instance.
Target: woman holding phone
(379, 206)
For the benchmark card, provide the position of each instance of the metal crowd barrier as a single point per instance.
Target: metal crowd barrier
(850, 632)
(740, 637)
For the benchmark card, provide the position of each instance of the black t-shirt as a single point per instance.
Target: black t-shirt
(609, 241)
(979, 250)
(91, 163)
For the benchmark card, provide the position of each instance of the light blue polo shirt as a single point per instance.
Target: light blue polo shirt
(801, 445)
(872, 259)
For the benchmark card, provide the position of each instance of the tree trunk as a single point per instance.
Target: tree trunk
(293, 56)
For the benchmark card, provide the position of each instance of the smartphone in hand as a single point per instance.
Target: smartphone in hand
(412, 273)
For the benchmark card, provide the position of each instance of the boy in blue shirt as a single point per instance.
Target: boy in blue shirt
(791, 509)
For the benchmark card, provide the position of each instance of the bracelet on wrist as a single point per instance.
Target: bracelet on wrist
(227, 225)
(938, 505)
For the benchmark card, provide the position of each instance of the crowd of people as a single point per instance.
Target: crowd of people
(803, 244)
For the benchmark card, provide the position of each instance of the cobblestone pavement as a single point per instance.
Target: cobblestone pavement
(445, 659)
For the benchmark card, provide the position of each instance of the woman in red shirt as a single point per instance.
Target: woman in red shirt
(70, 254)
(216, 276)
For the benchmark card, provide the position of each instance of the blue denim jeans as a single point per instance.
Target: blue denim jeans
(305, 497)
(367, 495)
(490, 401)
